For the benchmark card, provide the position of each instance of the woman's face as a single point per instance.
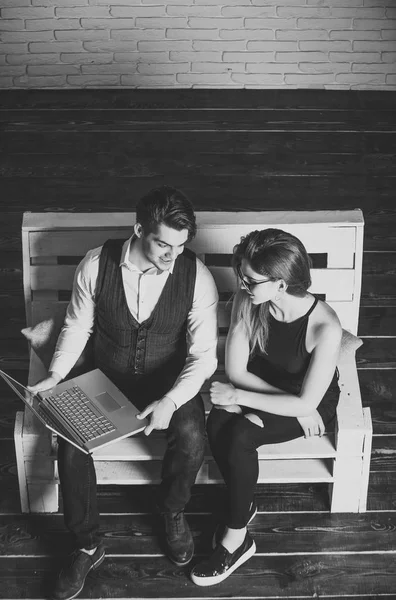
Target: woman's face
(260, 288)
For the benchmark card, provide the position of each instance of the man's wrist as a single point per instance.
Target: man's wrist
(55, 376)
(170, 400)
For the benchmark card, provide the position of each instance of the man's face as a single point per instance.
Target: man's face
(162, 247)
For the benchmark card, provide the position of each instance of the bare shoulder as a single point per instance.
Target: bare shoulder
(326, 324)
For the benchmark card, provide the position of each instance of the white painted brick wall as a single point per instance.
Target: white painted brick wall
(339, 44)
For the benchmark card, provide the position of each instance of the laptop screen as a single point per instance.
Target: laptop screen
(23, 393)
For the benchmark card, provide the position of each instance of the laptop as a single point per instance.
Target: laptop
(88, 411)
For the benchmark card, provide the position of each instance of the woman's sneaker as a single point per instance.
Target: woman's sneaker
(222, 563)
(220, 529)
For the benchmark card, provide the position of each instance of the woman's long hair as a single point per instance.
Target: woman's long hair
(275, 254)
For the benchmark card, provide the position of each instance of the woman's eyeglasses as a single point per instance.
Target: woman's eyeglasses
(247, 285)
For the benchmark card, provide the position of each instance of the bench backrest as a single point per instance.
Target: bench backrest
(54, 243)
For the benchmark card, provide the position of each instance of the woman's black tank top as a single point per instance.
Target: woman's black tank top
(287, 361)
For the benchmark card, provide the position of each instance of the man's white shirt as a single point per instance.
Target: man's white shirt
(142, 292)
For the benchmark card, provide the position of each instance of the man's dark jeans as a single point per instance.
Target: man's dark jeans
(184, 455)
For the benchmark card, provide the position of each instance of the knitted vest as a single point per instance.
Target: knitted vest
(142, 358)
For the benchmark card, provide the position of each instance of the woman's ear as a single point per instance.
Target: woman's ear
(282, 286)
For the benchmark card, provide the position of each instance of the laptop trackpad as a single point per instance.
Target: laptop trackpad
(107, 402)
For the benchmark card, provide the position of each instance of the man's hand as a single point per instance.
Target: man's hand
(45, 384)
(161, 412)
(223, 394)
(312, 425)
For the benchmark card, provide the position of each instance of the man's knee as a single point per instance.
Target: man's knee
(191, 436)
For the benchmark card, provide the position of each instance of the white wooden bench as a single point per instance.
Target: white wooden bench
(53, 243)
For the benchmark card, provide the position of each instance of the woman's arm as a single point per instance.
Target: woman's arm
(316, 382)
(237, 356)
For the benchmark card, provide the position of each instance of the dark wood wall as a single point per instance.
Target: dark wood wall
(227, 149)
(100, 150)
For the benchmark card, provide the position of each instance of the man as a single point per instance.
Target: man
(148, 307)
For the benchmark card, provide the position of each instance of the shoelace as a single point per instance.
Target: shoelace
(174, 523)
(70, 561)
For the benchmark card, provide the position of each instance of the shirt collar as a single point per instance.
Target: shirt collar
(125, 262)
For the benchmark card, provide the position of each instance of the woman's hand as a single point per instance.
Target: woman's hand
(312, 424)
(223, 394)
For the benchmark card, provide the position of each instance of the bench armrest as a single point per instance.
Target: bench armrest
(351, 426)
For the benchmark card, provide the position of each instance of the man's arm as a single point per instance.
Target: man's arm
(201, 361)
(78, 322)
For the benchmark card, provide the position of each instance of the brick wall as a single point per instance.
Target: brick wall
(335, 44)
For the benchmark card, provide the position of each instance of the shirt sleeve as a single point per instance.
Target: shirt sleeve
(201, 361)
(79, 320)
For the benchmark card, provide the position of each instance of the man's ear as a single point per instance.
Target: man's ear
(138, 230)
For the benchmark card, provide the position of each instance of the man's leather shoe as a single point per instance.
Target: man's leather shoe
(179, 542)
(222, 563)
(71, 578)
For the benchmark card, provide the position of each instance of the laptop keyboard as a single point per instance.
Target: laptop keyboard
(78, 410)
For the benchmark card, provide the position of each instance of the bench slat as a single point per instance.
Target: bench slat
(142, 448)
(337, 243)
(125, 473)
(35, 221)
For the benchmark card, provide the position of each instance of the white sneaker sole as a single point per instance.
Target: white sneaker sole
(206, 581)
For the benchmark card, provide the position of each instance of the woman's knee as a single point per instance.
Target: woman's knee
(242, 439)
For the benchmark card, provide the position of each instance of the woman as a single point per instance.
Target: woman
(281, 354)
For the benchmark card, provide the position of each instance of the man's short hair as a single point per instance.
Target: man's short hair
(169, 206)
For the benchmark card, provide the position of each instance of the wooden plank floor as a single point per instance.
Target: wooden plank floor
(88, 150)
